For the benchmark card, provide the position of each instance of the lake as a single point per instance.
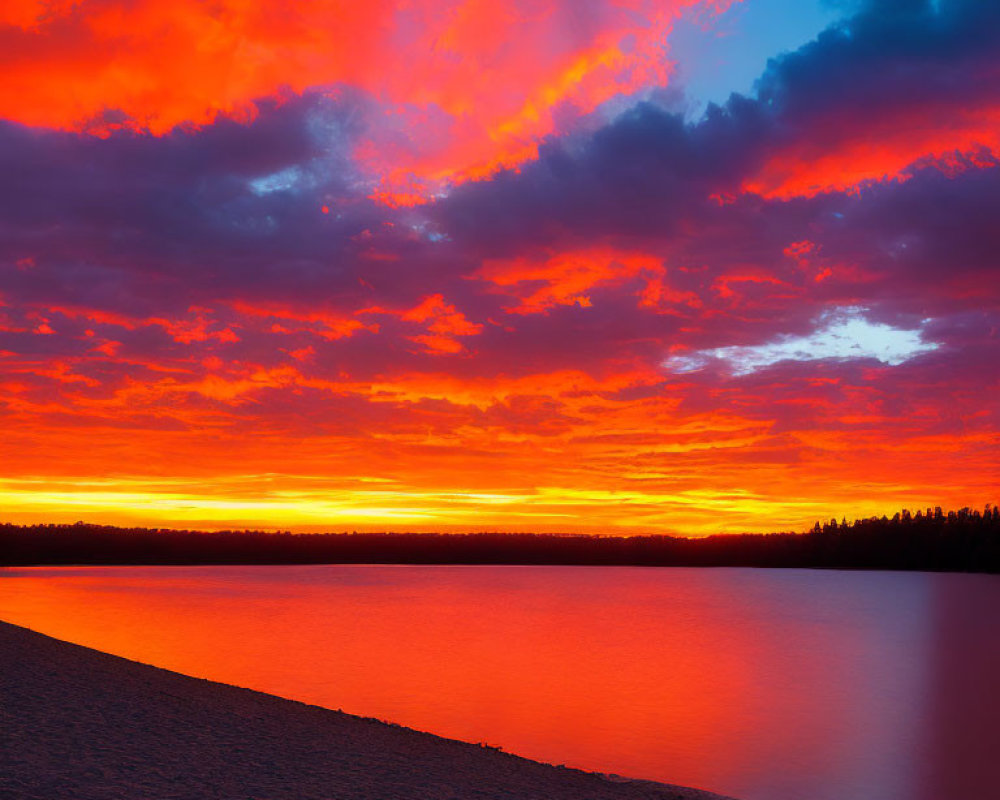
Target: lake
(761, 684)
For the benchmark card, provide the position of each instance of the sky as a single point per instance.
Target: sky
(607, 266)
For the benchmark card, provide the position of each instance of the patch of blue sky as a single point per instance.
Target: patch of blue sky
(718, 55)
(281, 181)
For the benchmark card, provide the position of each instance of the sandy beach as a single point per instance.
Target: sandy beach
(78, 723)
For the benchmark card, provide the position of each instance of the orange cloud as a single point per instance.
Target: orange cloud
(97, 316)
(463, 90)
(442, 321)
(441, 317)
(197, 329)
(723, 285)
(547, 451)
(564, 279)
(326, 324)
(610, 446)
(844, 152)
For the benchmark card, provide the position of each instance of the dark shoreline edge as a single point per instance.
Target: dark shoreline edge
(80, 723)
(962, 541)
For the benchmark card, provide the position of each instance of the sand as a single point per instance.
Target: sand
(78, 723)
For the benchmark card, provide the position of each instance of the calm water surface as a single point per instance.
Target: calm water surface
(762, 684)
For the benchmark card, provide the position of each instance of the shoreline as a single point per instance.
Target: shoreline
(963, 541)
(79, 723)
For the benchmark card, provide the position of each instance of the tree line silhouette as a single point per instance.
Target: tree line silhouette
(965, 541)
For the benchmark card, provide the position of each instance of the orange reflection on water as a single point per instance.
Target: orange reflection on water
(761, 684)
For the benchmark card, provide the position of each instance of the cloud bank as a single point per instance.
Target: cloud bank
(421, 298)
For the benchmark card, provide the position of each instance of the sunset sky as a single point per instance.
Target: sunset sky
(612, 266)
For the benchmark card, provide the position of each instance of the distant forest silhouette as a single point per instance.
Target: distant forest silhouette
(963, 541)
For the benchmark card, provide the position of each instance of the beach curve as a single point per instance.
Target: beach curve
(82, 724)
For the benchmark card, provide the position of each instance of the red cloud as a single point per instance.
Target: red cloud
(442, 321)
(464, 88)
(842, 151)
(565, 278)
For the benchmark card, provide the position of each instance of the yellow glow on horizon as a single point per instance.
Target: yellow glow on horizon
(311, 503)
